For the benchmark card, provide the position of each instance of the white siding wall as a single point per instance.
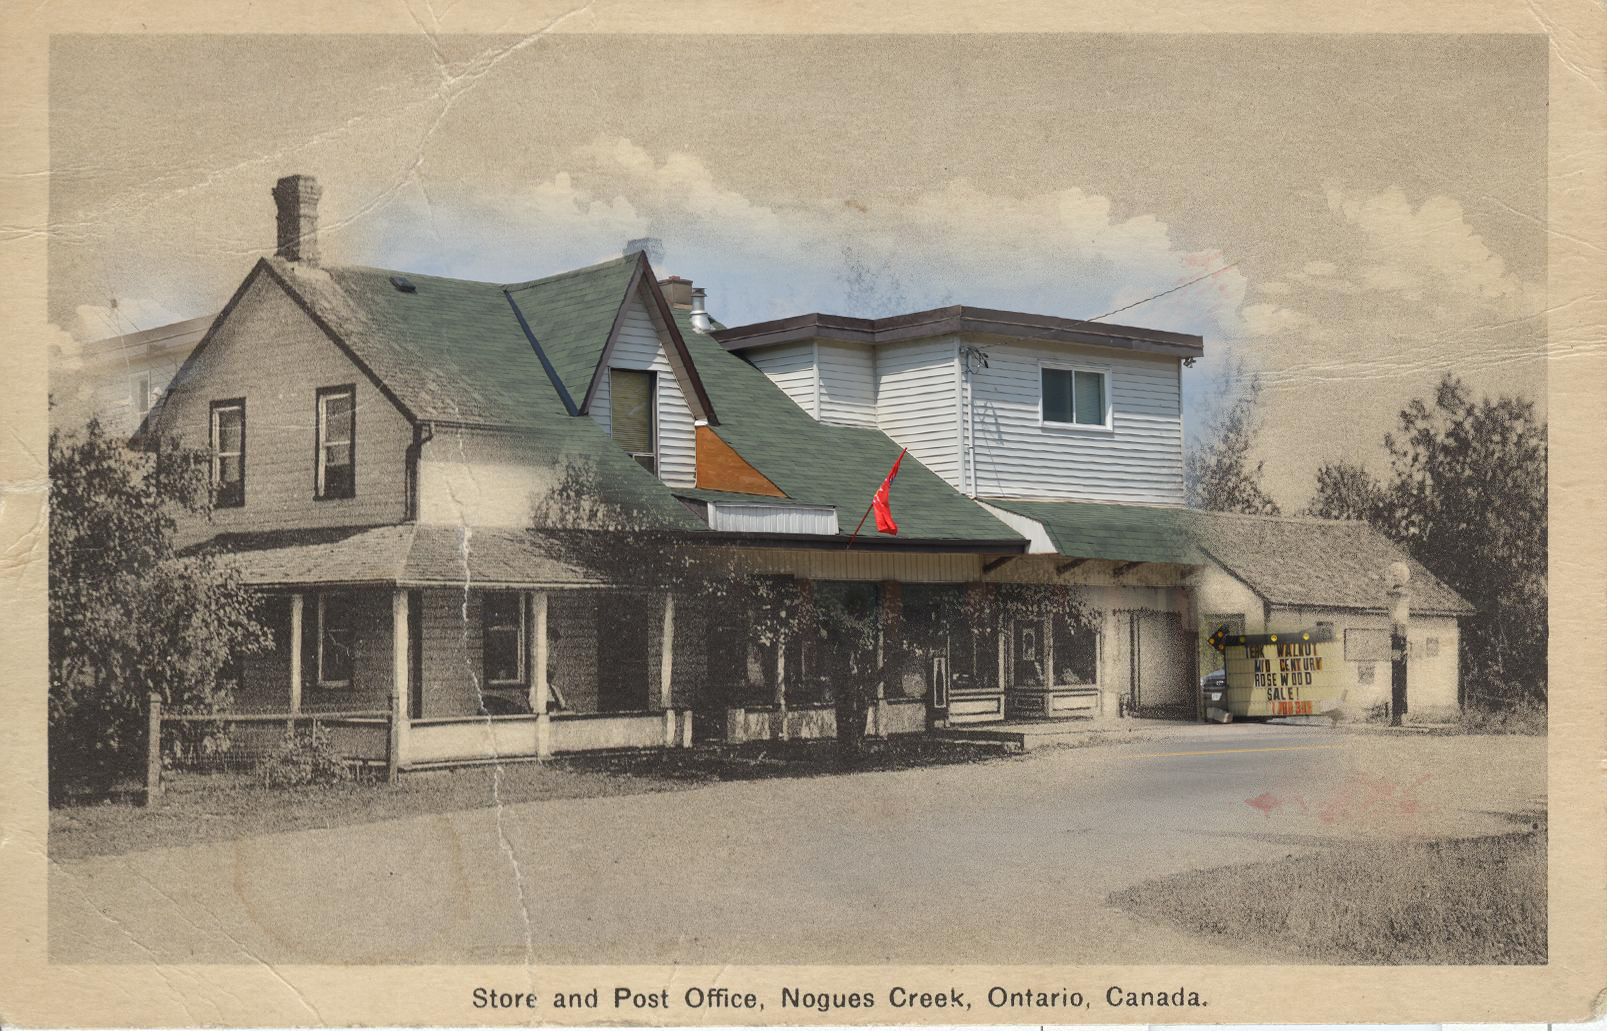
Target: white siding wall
(639, 347)
(1140, 460)
(792, 368)
(917, 404)
(847, 383)
(773, 518)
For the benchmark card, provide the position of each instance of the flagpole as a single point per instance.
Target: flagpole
(872, 504)
(862, 519)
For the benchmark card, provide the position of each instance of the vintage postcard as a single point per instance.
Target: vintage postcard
(726, 514)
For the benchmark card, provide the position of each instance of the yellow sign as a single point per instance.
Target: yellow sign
(1287, 678)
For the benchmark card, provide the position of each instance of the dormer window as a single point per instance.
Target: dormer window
(1074, 396)
(229, 453)
(337, 442)
(631, 418)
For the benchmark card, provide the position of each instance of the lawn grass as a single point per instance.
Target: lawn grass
(216, 807)
(1454, 901)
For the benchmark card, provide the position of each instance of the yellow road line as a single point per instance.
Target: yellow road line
(1228, 751)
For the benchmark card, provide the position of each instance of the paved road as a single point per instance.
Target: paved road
(1008, 862)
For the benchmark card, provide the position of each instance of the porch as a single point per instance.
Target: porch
(483, 649)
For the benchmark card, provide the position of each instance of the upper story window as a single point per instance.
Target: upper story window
(229, 453)
(1075, 397)
(503, 616)
(631, 415)
(139, 395)
(337, 442)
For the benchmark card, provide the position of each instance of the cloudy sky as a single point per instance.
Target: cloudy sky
(1381, 199)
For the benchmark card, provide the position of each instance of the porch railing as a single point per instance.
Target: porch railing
(240, 742)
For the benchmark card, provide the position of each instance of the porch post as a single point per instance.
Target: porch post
(666, 657)
(399, 694)
(889, 645)
(536, 662)
(295, 653)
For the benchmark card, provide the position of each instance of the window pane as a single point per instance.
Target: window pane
(631, 403)
(229, 425)
(338, 640)
(500, 616)
(338, 417)
(338, 481)
(1090, 400)
(1056, 395)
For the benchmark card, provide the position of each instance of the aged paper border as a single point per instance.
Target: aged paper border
(34, 992)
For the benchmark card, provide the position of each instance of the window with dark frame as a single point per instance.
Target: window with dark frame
(139, 395)
(503, 617)
(229, 453)
(631, 415)
(1073, 397)
(337, 440)
(337, 639)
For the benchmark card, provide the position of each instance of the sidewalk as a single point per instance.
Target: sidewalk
(1026, 735)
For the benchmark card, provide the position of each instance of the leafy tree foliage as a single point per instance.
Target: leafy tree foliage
(128, 617)
(1466, 497)
(1217, 472)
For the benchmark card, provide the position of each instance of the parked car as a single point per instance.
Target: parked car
(1214, 687)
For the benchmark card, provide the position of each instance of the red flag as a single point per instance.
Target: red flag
(884, 513)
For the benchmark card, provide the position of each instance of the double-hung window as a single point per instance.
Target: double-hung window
(229, 453)
(139, 395)
(337, 637)
(631, 414)
(1075, 397)
(503, 618)
(337, 442)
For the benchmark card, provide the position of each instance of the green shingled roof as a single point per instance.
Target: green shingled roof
(452, 351)
(1122, 533)
(572, 314)
(815, 464)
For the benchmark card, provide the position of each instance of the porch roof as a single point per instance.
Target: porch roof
(1121, 533)
(406, 555)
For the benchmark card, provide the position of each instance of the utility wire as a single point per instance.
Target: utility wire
(1108, 314)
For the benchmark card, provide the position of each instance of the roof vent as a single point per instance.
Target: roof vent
(700, 318)
(404, 284)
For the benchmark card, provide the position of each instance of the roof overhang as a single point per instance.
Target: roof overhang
(864, 542)
(959, 319)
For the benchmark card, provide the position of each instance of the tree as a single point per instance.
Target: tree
(128, 616)
(1466, 497)
(1346, 491)
(1217, 473)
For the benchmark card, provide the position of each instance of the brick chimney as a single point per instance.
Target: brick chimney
(297, 199)
(677, 291)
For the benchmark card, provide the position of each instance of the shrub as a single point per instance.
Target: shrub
(304, 758)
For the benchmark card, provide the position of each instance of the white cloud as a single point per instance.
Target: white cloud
(1413, 251)
(1061, 252)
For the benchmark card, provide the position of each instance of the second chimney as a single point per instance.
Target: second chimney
(677, 291)
(297, 199)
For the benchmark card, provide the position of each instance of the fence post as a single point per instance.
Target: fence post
(153, 751)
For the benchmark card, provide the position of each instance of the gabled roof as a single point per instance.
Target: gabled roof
(1122, 533)
(1319, 563)
(816, 464)
(455, 351)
